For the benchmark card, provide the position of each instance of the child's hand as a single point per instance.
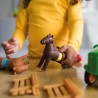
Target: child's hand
(71, 56)
(10, 46)
(18, 65)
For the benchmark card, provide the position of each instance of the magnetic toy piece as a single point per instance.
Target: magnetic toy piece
(26, 85)
(51, 53)
(92, 67)
(63, 90)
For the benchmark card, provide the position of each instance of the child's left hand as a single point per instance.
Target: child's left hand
(71, 56)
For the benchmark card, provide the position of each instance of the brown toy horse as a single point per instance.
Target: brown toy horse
(50, 52)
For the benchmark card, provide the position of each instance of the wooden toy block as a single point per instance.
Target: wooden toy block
(63, 90)
(26, 85)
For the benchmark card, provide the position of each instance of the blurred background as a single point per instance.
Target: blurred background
(8, 12)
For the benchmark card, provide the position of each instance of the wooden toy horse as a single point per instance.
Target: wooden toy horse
(50, 52)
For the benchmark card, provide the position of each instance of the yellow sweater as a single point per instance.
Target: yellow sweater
(43, 17)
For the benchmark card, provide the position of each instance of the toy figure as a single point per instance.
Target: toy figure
(17, 65)
(50, 52)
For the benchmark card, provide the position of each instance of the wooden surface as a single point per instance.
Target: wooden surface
(53, 74)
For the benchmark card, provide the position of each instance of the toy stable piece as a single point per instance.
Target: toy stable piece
(92, 66)
(63, 90)
(26, 85)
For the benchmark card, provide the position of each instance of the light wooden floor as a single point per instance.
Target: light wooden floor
(53, 74)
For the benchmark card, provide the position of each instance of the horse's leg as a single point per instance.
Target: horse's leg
(41, 61)
(46, 63)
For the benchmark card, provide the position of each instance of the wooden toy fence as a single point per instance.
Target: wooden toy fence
(26, 85)
(63, 90)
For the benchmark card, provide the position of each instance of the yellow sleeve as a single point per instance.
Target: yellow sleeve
(21, 29)
(76, 23)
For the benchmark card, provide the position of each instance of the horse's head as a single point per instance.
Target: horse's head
(48, 39)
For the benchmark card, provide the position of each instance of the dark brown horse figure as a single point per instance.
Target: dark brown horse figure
(50, 52)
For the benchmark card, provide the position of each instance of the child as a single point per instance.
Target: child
(38, 18)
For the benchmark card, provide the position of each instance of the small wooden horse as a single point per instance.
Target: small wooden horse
(50, 52)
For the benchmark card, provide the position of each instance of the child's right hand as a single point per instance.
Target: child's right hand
(10, 46)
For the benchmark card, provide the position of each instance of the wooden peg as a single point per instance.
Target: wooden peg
(28, 83)
(50, 92)
(35, 84)
(57, 92)
(53, 85)
(63, 90)
(71, 87)
(16, 85)
(22, 85)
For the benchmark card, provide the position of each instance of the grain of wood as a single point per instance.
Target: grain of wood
(35, 84)
(63, 90)
(16, 85)
(22, 85)
(23, 78)
(28, 83)
(71, 87)
(50, 92)
(57, 92)
(52, 85)
(68, 96)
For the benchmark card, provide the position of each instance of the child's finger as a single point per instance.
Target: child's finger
(9, 56)
(4, 44)
(63, 49)
(14, 68)
(68, 61)
(8, 48)
(12, 39)
(26, 62)
(24, 57)
(24, 68)
(14, 72)
(65, 66)
(11, 51)
(65, 62)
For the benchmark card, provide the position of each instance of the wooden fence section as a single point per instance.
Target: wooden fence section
(63, 90)
(26, 85)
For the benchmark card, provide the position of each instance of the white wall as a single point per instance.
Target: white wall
(7, 6)
(90, 15)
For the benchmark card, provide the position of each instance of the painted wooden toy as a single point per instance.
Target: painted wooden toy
(26, 85)
(67, 89)
(51, 53)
